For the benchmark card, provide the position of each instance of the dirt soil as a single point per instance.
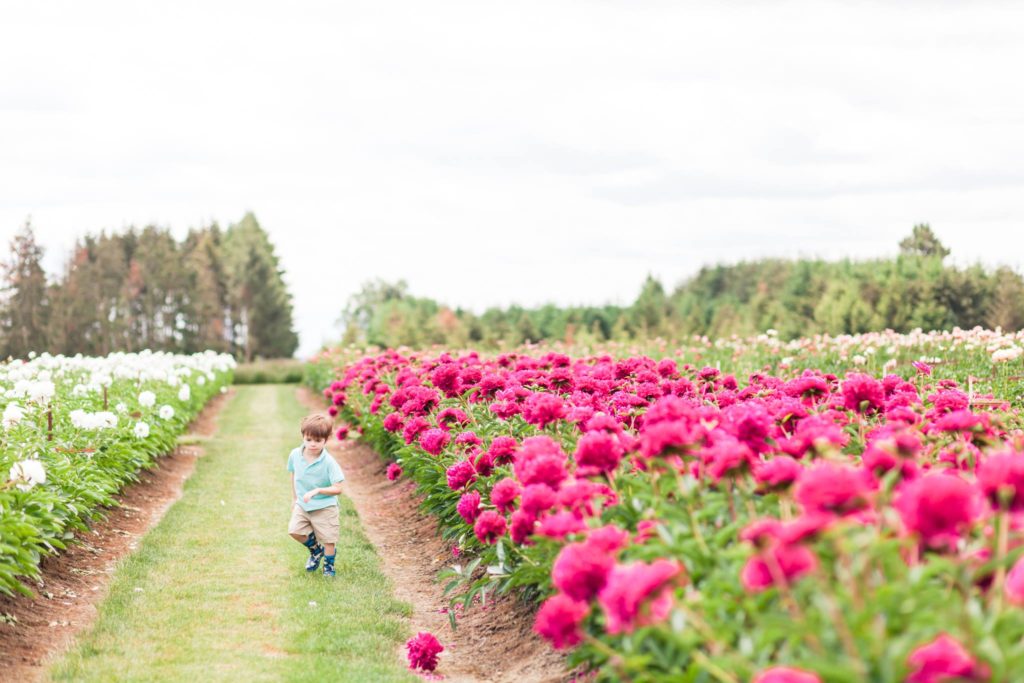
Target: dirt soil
(74, 582)
(494, 643)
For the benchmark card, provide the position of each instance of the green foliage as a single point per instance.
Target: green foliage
(797, 298)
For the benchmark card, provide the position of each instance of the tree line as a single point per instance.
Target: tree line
(916, 289)
(142, 289)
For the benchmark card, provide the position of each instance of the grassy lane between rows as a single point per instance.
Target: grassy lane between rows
(217, 591)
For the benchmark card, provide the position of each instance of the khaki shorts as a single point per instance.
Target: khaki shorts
(323, 522)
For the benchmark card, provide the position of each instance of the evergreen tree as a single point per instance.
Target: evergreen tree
(24, 300)
(261, 306)
(206, 305)
(923, 242)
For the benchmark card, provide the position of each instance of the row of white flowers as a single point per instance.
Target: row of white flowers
(75, 430)
(32, 386)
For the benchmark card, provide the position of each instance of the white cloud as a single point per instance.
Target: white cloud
(499, 152)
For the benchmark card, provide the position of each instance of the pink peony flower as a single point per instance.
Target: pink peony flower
(482, 461)
(540, 462)
(450, 416)
(394, 471)
(938, 508)
(393, 422)
(597, 452)
(504, 494)
(422, 651)
(862, 393)
(560, 525)
(489, 527)
(542, 409)
(434, 440)
(469, 506)
(581, 570)
(558, 621)
(467, 439)
(828, 487)
(922, 367)
(750, 423)
(537, 498)
(503, 450)
(942, 660)
(460, 475)
(1001, 477)
(779, 472)
(790, 561)
(522, 527)
(342, 432)
(610, 538)
(446, 378)
(785, 674)
(413, 428)
(639, 594)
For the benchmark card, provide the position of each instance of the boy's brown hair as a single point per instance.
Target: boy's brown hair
(317, 426)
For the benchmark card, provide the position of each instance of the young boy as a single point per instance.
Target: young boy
(316, 481)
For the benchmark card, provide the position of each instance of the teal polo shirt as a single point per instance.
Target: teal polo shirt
(320, 473)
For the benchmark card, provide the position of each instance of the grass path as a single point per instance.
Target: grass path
(217, 591)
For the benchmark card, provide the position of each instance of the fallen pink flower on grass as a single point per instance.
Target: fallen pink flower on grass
(422, 651)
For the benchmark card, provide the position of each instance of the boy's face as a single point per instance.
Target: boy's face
(313, 444)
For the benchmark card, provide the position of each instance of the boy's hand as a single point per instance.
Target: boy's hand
(308, 496)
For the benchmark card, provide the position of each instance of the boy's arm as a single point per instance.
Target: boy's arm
(293, 488)
(332, 490)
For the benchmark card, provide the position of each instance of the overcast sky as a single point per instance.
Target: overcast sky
(517, 152)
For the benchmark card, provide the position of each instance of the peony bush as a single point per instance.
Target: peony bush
(76, 430)
(674, 522)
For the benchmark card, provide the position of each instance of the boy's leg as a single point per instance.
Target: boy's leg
(326, 526)
(300, 527)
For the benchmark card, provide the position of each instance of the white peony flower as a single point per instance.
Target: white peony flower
(1005, 355)
(41, 391)
(28, 473)
(185, 393)
(201, 380)
(166, 412)
(12, 415)
(859, 360)
(121, 408)
(141, 430)
(147, 399)
(90, 421)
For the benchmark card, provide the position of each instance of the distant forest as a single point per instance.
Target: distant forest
(916, 289)
(142, 289)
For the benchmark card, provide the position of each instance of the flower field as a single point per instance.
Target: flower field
(830, 509)
(76, 430)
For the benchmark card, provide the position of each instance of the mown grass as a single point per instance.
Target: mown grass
(273, 371)
(217, 591)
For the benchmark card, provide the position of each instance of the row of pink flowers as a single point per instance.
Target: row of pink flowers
(841, 450)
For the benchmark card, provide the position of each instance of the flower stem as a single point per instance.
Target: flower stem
(713, 668)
